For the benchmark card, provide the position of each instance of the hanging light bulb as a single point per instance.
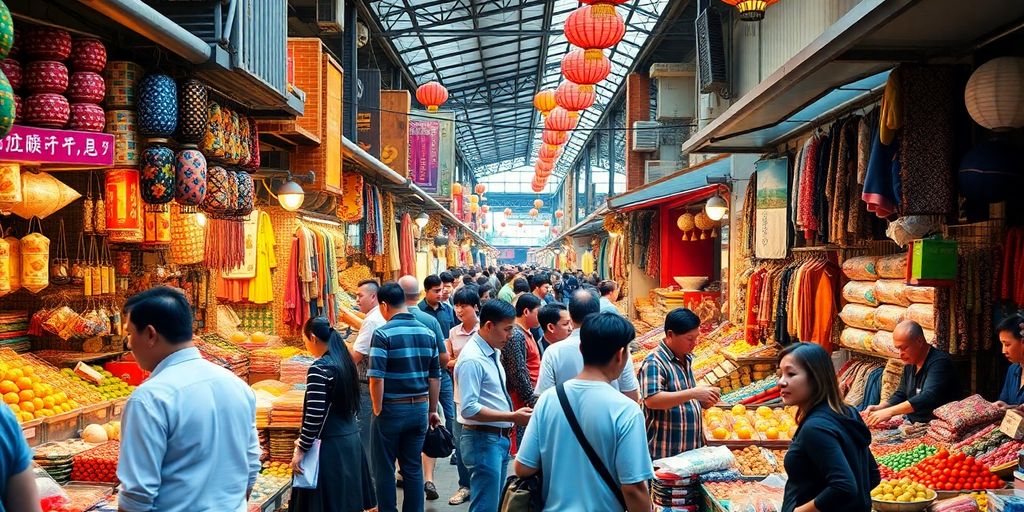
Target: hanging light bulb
(201, 219)
(716, 208)
(291, 195)
(422, 219)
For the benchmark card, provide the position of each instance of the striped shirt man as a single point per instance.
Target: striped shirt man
(404, 354)
(677, 429)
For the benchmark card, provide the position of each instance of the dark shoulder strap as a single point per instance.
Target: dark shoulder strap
(589, 450)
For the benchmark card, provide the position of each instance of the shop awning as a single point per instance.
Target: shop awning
(848, 64)
(689, 184)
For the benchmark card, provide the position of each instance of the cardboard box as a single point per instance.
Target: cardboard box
(1013, 425)
(934, 259)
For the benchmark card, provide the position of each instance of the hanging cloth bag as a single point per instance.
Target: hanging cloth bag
(59, 265)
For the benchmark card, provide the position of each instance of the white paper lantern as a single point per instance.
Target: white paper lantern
(995, 94)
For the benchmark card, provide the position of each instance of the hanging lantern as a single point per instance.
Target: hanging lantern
(703, 222)
(123, 205)
(474, 208)
(35, 262)
(685, 222)
(544, 166)
(480, 188)
(10, 187)
(559, 214)
(574, 97)
(751, 10)
(157, 180)
(519, 225)
(474, 199)
(431, 95)
(594, 27)
(190, 178)
(194, 113)
(42, 195)
(456, 189)
(218, 199)
(508, 212)
(485, 209)
(538, 203)
(554, 137)
(561, 120)
(157, 106)
(586, 67)
(246, 194)
(537, 187)
(5, 267)
(547, 223)
(484, 226)
(995, 94)
(533, 212)
(213, 144)
(544, 101)
(549, 152)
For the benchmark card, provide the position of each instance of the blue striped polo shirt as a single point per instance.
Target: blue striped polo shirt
(404, 353)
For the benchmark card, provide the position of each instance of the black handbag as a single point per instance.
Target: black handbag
(523, 494)
(439, 443)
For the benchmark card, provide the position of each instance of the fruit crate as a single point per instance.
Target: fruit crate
(33, 432)
(99, 413)
(61, 426)
(116, 408)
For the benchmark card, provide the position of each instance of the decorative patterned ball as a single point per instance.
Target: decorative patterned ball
(86, 117)
(6, 31)
(47, 110)
(88, 55)
(157, 106)
(86, 87)
(157, 180)
(47, 43)
(190, 177)
(46, 76)
(12, 69)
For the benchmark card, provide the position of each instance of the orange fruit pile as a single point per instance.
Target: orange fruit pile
(28, 395)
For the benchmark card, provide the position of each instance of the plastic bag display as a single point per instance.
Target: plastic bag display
(860, 292)
(888, 316)
(51, 495)
(920, 294)
(892, 267)
(861, 268)
(883, 344)
(856, 338)
(701, 460)
(859, 316)
(923, 314)
(891, 292)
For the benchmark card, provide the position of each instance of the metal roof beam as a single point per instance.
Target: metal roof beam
(459, 32)
(417, 28)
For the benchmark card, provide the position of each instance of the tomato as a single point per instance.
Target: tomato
(969, 461)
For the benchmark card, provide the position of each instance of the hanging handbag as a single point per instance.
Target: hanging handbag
(59, 265)
(311, 461)
(587, 448)
(78, 267)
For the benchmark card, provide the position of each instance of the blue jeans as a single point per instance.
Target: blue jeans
(365, 413)
(459, 463)
(447, 399)
(398, 434)
(486, 456)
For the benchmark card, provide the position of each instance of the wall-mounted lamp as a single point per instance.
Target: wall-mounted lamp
(716, 208)
(422, 219)
(290, 194)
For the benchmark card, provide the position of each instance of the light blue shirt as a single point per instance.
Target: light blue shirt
(481, 381)
(563, 361)
(189, 440)
(614, 426)
(607, 305)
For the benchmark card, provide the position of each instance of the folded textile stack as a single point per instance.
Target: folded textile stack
(14, 331)
(673, 493)
(956, 420)
(223, 353)
(287, 409)
(264, 406)
(293, 370)
(282, 444)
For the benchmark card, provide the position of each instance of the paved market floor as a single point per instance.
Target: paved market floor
(446, 478)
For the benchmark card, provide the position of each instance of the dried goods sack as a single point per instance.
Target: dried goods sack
(860, 292)
(888, 316)
(920, 294)
(923, 314)
(892, 267)
(931, 337)
(891, 291)
(883, 344)
(856, 338)
(859, 316)
(861, 268)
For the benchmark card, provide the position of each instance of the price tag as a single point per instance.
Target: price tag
(29, 433)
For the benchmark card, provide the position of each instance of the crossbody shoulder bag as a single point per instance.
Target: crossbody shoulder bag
(587, 448)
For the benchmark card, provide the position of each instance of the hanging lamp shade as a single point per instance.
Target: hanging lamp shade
(995, 94)
(10, 187)
(158, 175)
(246, 194)
(480, 188)
(474, 199)
(560, 120)
(534, 212)
(190, 178)
(594, 27)
(474, 208)
(685, 222)
(508, 211)
(536, 187)
(554, 137)
(549, 152)
(538, 203)
(456, 189)
(544, 101)
(42, 195)
(543, 165)
(751, 10)
(573, 97)
(586, 67)
(559, 214)
(157, 113)
(431, 95)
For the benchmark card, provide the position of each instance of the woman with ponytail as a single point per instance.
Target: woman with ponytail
(329, 414)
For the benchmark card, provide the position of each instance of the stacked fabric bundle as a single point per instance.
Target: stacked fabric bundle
(268, 360)
(14, 331)
(293, 369)
(956, 420)
(223, 353)
(672, 493)
(287, 409)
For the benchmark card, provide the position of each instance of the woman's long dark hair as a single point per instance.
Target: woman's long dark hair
(821, 377)
(345, 395)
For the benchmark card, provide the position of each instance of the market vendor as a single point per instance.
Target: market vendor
(1011, 336)
(672, 400)
(929, 378)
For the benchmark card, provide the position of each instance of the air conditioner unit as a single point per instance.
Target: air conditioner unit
(661, 70)
(645, 136)
(676, 97)
(709, 107)
(330, 15)
(657, 169)
(712, 67)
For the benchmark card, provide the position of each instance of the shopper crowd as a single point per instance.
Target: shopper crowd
(478, 357)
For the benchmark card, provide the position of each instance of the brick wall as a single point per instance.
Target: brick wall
(638, 108)
(308, 54)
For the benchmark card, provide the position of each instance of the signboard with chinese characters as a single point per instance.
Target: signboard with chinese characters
(432, 152)
(27, 144)
(368, 116)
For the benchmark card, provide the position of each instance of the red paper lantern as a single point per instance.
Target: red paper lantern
(502, 224)
(573, 97)
(534, 212)
(480, 188)
(559, 119)
(559, 214)
(549, 152)
(554, 137)
(542, 175)
(547, 223)
(508, 211)
(543, 165)
(536, 187)
(554, 231)
(595, 27)
(545, 101)
(586, 67)
(520, 224)
(751, 10)
(538, 203)
(431, 95)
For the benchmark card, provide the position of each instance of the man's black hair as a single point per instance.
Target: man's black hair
(466, 296)
(539, 280)
(468, 280)
(392, 294)
(582, 303)
(484, 290)
(681, 321)
(480, 281)
(372, 283)
(166, 309)
(550, 314)
(447, 277)
(526, 302)
(520, 285)
(496, 311)
(606, 287)
(602, 336)
(431, 281)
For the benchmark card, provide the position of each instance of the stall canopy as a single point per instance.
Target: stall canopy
(848, 63)
(690, 184)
